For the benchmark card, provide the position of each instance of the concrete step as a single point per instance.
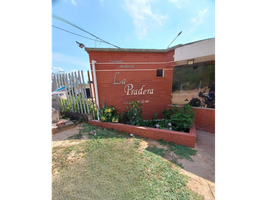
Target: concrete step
(57, 129)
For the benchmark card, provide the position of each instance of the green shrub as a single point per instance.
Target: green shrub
(176, 119)
(109, 114)
(152, 122)
(133, 115)
(76, 106)
(164, 124)
(168, 113)
(183, 119)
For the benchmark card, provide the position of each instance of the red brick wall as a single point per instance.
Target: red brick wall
(141, 74)
(204, 118)
(169, 57)
(187, 139)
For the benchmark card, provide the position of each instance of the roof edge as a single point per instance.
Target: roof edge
(143, 50)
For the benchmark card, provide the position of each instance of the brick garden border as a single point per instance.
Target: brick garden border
(204, 118)
(187, 139)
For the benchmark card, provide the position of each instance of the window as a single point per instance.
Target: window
(159, 73)
(194, 85)
(88, 93)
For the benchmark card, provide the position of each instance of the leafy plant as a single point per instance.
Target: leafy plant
(176, 119)
(109, 114)
(183, 119)
(168, 113)
(152, 122)
(165, 124)
(175, 109)
(123, 117)
(133, 115)
(63, 116)
(76, 106)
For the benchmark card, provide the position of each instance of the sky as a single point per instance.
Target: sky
(142, 24)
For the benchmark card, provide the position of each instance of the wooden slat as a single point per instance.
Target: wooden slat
(72, 95)
(78, 92)
(88, 111)
(74, 85)
(91, 94)
(82, 92)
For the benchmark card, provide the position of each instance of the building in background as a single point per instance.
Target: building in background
(123, 75)
(157, 78)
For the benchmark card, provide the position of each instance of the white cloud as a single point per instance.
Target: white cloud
(193, 19)
(141, 12)
(199, 19)
(56, 56)
(178, 3)
(57, 70)
(73, 2)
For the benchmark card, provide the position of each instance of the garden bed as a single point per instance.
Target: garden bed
(77, 116)
(187, 139)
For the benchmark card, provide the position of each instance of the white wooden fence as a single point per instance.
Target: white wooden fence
(77, 100)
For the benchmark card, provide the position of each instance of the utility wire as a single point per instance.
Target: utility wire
(76, 34)
(64, 20)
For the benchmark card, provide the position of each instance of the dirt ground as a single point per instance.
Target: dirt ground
(201, 171)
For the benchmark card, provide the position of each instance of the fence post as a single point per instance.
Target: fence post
(85, 90)
(67, 87)
(72, 95)
(82, 92)
(74, 86)
(91, 94)
(78, 92)
(65, 105)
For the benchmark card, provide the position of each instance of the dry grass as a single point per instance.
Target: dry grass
(114, 166)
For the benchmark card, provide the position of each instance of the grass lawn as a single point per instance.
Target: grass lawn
(112, 165)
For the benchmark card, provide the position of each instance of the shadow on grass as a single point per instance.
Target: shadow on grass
(113, 168)
(102, 133)
(162, 152)
(105, 133)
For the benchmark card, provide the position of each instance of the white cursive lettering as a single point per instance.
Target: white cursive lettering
(140, 90)
(130, 91)
(144, 92)
(129, 87)
(115, 83)
(150, 91)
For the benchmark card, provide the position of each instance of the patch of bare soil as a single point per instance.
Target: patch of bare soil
(143, 145)
(60, 139)
(59, 143)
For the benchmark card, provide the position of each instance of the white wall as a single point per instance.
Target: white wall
(195, 50)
